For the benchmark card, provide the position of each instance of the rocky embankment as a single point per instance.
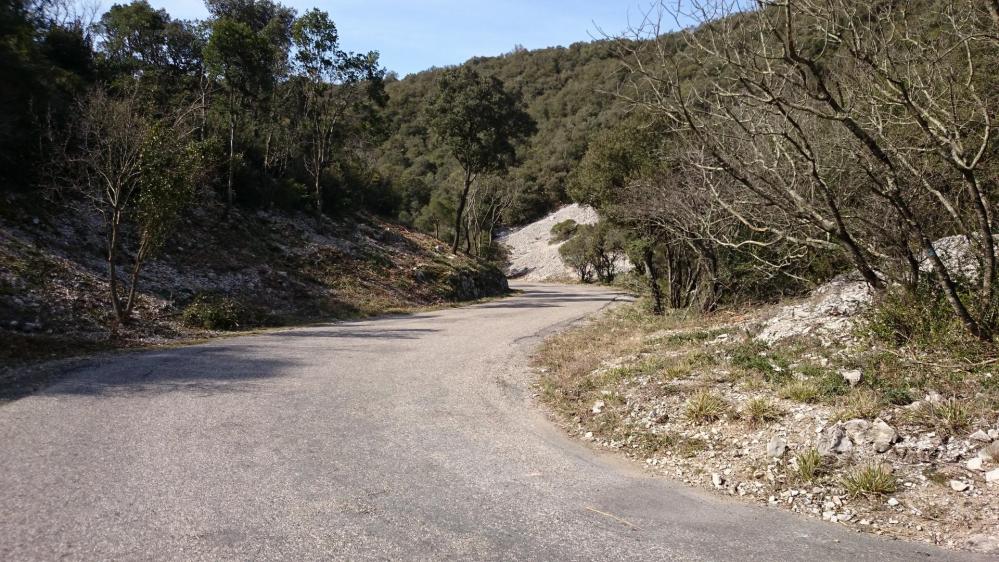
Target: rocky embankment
(255, 268)
(791, 408)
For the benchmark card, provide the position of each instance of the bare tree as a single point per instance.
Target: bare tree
(135, 172)
(832, 123)
(488, 200)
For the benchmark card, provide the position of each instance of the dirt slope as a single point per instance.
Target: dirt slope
(272, 268)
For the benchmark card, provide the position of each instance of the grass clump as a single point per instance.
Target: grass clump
(761, 410)
(692, 336)
(860, 404)
(687, 365)
(651, 444)
(829, 382)
(948, 416)
(870, 481)
(755, 357)
(705, 406)
(805, 392)
(809, 465)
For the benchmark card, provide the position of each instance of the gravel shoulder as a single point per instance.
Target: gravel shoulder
(825, 428)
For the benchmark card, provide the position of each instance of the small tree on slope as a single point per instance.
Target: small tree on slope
(480, 123)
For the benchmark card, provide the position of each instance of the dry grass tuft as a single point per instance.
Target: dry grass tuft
(809, 465)
(949, 416)
(862, 404)
(870, 481)
(761, 410)
(705, 406)
(800, 391)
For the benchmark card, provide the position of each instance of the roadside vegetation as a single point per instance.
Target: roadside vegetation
(774, 150)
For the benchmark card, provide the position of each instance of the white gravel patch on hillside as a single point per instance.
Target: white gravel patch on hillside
(532, 255)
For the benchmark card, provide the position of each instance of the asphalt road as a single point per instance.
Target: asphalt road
(411, 437)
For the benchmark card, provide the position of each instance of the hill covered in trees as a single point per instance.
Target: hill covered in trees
(567, 90)
(159, 176)
(162, 133)
(740, 159)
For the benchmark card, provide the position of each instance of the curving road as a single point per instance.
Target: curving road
(410, 437)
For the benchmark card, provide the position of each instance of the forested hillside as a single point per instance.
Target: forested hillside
(567, 90)
(160, 177)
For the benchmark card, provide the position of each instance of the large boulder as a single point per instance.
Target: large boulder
(828, 312)
(857, 435)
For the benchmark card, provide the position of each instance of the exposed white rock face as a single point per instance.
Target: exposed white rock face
(828, 312)
(988, 544)
(533, 257)
(959, 485)
(981, 436)
(833, 441)
(853, 376)
(960, 257)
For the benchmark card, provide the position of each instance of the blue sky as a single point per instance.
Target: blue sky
(413, 35)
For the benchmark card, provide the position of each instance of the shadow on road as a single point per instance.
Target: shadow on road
(198, 370)
(245, 364)
(398, 334)
(535, 298)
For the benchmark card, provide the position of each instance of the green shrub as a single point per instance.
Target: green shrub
(897, 396)
(564, 231)
(595, 249)
(577, 254)
(828, 382)
(922, 318)
(217, 312)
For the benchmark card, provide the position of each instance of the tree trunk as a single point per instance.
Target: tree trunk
(652, 274)
(461, 211)
(232, 156)
(709, 285)
(267, 150)
(319, 195)
(113, 267)
(140, 258)
(987, 275)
